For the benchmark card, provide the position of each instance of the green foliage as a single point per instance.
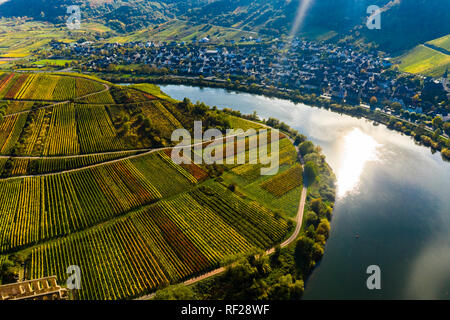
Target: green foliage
(178, 292)
(306, 147)
(304, 250)
(311, 172)
(287, 288)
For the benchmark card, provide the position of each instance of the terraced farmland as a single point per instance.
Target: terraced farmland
(90, 182)
(163, 243)
(44, 87)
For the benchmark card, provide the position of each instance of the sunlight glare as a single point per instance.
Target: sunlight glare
(359, 148)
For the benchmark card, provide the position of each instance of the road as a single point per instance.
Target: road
(107, 88)
(298, 226)
(298, 218)
(148, 151)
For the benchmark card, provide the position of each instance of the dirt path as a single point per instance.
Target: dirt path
(107, 88)
(291, 239)
(298, 226)
(116, 160)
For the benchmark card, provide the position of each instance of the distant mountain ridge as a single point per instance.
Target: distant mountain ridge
(404, 23)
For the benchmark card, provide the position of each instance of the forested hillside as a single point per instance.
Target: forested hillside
(399, 32)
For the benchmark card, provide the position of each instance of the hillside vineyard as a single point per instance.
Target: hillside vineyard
(86, 179)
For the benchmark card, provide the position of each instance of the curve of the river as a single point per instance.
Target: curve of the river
(392, 208)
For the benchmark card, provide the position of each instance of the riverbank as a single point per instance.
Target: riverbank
(281, 272)
(391, 205)
(419, 133)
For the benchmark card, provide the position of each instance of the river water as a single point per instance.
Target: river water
(392, 208)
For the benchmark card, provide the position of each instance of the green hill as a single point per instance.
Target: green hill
(405, 23)
(430, 59)
(87, 179)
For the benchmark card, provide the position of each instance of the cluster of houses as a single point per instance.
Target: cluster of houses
(341, 73)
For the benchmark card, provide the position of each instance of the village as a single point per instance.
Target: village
(337, 72)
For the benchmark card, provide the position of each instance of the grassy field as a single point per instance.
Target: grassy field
(443, 42)
(424, 60)
(53, 62)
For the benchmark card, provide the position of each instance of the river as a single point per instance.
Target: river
(392, 208)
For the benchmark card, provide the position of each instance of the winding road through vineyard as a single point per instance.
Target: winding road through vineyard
(81, 191)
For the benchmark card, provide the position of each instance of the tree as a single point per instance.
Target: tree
(446, 127)
(311, 172)
(8, 272)
(287, 288)
(178, 292)
(311, 218)
(437, 122)
(436, 134)
(299, 138)
(396, 106)
(323, 228)
(125, 129)
(305, 148)
(303, 254)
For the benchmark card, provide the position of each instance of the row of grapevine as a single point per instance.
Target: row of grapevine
(162, 119)
(180, 169)
(61, 88)
(62, 136)
(64, 89)
(16, 86)
(49, 165)
(41, 88)
(21, 93)
(285, 181)
(286, 155)
(103, 97)
(75, 200)
(96, 130)
(58, 164)
(19, 167)
(160, 244)
(258, 225)
(85, 87)
(10, 129)
(36, 131)
(6, 78)
(114, 260)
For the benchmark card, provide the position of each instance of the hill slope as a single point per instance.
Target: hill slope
(132, 220)
(405, 23)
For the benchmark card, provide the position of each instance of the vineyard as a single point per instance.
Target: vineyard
(57, 164)
(43, 87)
(87, 179)
(97, 132)
(74, 200)
(164, 243)
(283, 183)
(10, 130)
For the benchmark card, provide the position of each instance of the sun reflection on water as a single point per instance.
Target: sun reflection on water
(358, 149)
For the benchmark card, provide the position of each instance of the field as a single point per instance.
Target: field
(21, 38)
(163, 243)
(58, 164)
(45, 87)
(10, 129)
(178, 30)
(443, 42)
(77, 189)
(53, 62)
(424, 60)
